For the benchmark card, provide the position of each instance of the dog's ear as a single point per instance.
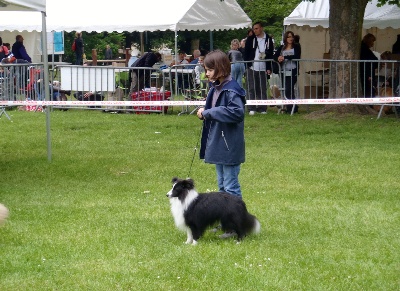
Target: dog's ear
(174, 179)
(190, 183)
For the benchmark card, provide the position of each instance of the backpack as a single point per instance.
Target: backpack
(74, 46)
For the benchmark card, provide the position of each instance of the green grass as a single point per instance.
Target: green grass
(96, 218)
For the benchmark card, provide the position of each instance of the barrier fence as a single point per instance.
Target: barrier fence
(155, 90)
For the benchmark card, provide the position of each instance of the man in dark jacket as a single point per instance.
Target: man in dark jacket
(141, 77)
(259, 48)
(19, 51)
(79, 48)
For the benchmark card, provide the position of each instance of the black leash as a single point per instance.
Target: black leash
(194, 153)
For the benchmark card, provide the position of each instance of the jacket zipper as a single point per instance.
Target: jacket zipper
(223, 136)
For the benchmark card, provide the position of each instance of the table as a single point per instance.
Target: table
(173, 71)
(318, 91)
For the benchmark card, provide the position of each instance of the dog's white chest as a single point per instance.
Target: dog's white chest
(177, 209)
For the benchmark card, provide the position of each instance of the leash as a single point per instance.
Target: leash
(194, 153)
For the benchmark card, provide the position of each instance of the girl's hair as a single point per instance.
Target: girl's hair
(285, 36)
(219, 62)
(235, 42)
(1, 41)
(369, 39)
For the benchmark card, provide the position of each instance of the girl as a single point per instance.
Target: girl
(222, 141)
(285, 55)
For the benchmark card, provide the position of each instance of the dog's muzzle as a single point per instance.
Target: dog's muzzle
(169, 193)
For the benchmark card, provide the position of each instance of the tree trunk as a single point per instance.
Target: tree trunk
(345, 28)
(194, 44)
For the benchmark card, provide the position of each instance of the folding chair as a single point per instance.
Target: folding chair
(4, 80)
(3, 111)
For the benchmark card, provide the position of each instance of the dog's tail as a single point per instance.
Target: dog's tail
(252, 224)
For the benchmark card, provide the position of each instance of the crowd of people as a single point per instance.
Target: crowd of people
(378, 75)
(253, 58)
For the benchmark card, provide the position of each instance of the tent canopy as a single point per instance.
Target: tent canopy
(316, 14)
(23, 5)
(149, 15)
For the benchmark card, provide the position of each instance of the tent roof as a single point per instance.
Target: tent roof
(317, 14)
(147, 15)
(21, 5)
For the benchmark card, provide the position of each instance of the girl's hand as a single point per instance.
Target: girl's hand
(199, 115)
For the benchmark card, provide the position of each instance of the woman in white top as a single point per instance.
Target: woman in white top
(285, 55)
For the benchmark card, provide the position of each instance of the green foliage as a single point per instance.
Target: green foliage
(94, 40)
(97, 218)
(391, 2)
(270, 13)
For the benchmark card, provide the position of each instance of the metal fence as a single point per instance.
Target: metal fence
(107, 88)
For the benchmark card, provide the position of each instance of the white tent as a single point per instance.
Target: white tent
(311, 21)
(149, 15)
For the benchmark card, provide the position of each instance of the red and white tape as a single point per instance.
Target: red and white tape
(377, 100)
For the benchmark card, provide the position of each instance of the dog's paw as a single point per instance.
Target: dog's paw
(189, 241)
(194, 242)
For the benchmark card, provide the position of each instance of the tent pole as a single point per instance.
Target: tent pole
(141, 44)
(46, 83)
(211, 41)
(176, 60)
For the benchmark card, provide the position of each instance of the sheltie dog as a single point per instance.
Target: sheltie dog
(193, 212)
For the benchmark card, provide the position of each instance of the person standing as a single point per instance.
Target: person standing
(285, 55)
(396, 46)
(222, 140)
(242, 45)
(78, 49)
(108, 53)
(236, 59)
(258, 48)
(19, 51)
(367, 69)
(140, 78)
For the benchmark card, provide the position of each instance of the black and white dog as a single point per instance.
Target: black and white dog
(193, 212)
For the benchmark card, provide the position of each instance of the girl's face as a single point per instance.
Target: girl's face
(210, 74)
(290, 38)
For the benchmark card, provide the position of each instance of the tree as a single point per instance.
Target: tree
(345, 27)
(270, 13)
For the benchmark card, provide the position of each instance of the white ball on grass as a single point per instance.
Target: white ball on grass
(3, 213)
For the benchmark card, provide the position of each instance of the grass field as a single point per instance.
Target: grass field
(97, 218)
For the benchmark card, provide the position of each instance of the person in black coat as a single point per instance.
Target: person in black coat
(78, 49)
(367, 69)
(141, 78)
(19, 51)
(396, 46)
